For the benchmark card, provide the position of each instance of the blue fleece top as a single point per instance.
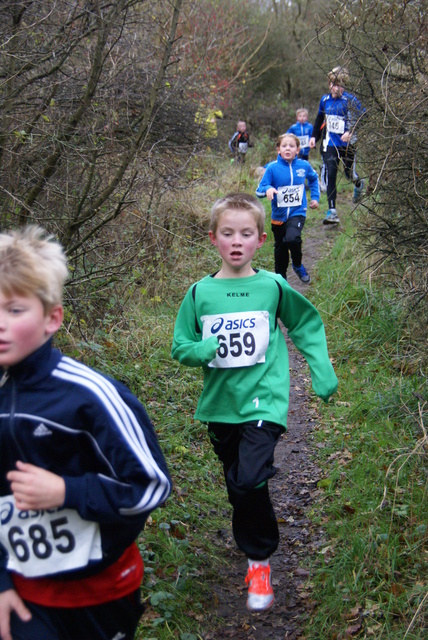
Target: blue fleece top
(341, 115)
(289, 174)
(304, 133)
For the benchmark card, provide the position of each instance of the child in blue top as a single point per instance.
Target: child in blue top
(303, 130)
(283, 183)
(340, 111)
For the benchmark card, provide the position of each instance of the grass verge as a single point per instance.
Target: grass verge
(370, 580)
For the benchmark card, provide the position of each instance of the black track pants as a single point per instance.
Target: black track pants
(247, 453)
(332, 158)
(288, 238)
(109, 621)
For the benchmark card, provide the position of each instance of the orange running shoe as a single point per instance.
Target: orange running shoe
(260, 592)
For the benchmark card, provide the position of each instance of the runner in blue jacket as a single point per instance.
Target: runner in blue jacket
(341, 112)
(303, 130)
(283, 183)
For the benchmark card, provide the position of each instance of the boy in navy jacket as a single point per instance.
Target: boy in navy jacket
(81, 468)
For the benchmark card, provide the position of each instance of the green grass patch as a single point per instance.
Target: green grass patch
(370, 580)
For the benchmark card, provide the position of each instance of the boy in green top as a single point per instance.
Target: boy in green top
(228, 324)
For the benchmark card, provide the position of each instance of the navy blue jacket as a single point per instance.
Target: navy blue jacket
(63, 416)
(282, 173)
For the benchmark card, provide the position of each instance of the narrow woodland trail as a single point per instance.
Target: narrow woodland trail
(294, 492)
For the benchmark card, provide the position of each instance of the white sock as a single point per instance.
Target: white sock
(263, 563)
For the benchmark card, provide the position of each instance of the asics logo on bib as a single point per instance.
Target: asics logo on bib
(233, 324)
(6, 512)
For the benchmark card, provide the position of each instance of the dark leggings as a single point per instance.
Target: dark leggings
(288, 239)
(115, 619)
(332, 158)
(247, 453)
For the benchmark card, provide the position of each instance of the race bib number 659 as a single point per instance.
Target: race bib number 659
(44, 542)
(243, 338)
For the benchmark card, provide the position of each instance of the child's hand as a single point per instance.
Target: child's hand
(312, 143)
(270, 193)
(10, 601)
(313, 204)
(36, 488)
(345, 137)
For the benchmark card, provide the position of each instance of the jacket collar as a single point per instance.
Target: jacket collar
(287, 164)
(36, 366)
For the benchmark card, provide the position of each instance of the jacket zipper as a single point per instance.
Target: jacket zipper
(22, 456)
(291, 184)
(4, 378)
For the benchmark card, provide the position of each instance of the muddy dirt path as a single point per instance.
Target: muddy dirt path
(294, 492)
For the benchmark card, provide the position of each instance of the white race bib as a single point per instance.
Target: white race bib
(304, 141)
(243, 338)
(242, 147)
(336, 124)
(290, 196)
(44, 542)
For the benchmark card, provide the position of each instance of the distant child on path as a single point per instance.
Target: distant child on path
(283, 183)
(240, 141)
(303, 130)
(228, 325)
(340, 111)
(81, 468)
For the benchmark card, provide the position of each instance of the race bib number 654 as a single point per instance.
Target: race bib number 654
(290, 196)
(243, 338)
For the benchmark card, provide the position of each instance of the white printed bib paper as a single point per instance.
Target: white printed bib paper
(243, 338)
(290, 196)
(304, 141)
(336, 124)
(242, 147)
(45, 542)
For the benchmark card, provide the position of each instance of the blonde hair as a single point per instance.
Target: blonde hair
(287, 135)
(238, 202)
(339, 76)
(302, 110)
(31, 262)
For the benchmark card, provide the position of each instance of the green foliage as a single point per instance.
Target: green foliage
(370, 579)
(385, 54)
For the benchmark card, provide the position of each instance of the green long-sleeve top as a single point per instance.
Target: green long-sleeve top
(229, 326)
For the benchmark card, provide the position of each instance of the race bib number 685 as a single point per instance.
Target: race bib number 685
(44, 542)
